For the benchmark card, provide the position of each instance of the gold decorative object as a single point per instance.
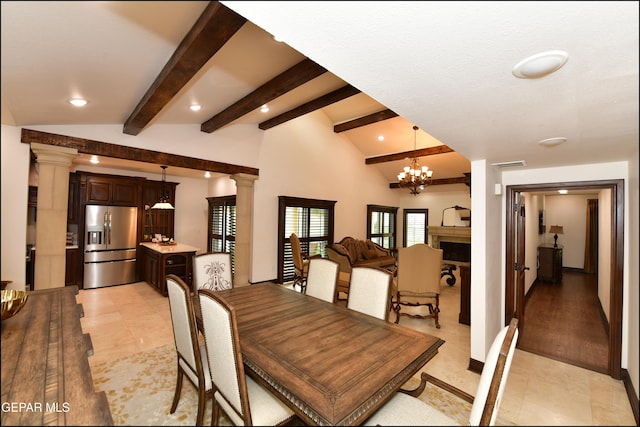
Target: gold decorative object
(415, 177)
(12, 302)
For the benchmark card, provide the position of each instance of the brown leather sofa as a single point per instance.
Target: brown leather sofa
(350, 252)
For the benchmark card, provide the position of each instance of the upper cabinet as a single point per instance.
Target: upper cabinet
(73, 207)
(157, 221)
(113, 190)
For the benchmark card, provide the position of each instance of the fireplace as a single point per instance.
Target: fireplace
(456, 251)
(454, 241)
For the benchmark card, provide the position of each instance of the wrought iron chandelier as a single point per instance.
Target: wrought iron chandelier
(415, 177)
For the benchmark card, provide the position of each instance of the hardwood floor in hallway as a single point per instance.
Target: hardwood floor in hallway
(564, 321)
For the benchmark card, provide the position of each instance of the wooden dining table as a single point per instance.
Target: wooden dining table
(330, 364)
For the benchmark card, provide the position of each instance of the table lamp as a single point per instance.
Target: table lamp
(556, 229)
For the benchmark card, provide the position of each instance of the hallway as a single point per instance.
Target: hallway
(564, 321)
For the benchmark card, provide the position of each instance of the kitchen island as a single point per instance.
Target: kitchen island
(159, 259)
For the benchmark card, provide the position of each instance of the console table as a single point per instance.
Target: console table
(550, 263)
(46, 378)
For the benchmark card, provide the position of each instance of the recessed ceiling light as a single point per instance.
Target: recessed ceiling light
(94, 159)
(207, 174)
(541, 64)
(264, 108)
(78, 102)
(550, 142)
(563, 191)
(195, 107)
(380, 138)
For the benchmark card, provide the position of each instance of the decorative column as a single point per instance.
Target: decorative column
(51, 224)
(244, 208)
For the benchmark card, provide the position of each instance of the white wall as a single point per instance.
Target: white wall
(570, 211)
(632, 333)
(15, 189)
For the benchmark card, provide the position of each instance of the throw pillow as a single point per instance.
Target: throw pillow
(342, 251)
(370, 250)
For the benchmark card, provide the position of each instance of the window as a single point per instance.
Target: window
(416, 222)
(381, 225)
(222, 226)
(312, 221)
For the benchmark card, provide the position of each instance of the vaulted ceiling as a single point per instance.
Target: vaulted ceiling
(145, 63)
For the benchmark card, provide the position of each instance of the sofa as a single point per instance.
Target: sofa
(350, 252)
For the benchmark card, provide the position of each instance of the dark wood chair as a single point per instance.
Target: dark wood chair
(405, 409)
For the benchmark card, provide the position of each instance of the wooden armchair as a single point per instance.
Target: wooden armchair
(418, 281)
(300, 263)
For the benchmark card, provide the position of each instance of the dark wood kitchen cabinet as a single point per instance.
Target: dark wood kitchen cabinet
(73, 204)
(550, 263)
(158, 261)
(157, 221)
(112, 190)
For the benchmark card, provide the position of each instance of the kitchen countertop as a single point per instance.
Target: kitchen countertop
(178, 247)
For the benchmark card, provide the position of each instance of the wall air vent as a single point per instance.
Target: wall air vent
(515, 163)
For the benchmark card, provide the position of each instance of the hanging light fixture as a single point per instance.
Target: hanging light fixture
(163, 203)
(415, 177)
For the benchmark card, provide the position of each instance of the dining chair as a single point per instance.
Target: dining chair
(192, 356)
(212, 270)
(418, 281)
(245, 401)
(406, 409)
(369, 291)
(300, 263)
(322, 279)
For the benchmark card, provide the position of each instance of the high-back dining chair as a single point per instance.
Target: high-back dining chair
(418, 281)
(212, 270)
(369, 291)
(192, 356)
(405, 409)
(322, 279)
(300, 263)
(245, 401)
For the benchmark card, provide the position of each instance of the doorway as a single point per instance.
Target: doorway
(514, 295)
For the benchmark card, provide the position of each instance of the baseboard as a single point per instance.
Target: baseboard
(475, 366)
(631, 394)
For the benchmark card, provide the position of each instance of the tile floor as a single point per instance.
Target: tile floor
(127, 319)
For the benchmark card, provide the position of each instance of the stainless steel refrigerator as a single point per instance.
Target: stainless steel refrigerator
(109, 246)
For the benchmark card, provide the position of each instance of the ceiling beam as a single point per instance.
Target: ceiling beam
(328, 99)
(444, 181)
(87, 146)
(365, 120)
(429, 151)
(290, 79)
(212, 30)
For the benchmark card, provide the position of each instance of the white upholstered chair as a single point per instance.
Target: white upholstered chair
(405, 409)
(369, 291)
(212, 270)
(245, 401)
(322, 279)
(418, 281)
(192, 357)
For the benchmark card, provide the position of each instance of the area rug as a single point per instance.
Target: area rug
(140, 390)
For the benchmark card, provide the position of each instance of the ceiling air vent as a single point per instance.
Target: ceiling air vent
(515, 163)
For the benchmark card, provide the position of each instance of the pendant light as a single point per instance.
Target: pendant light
(163, 203)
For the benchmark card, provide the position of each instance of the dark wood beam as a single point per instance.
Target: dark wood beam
(429, 151)
(212, 30)
(443, 181)
(290, 79)
(328, 99)
(364, 121)
(87, 146)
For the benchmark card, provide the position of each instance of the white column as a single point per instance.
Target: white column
(244, 208)
(51, 214)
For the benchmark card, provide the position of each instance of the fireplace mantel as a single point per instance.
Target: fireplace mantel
(449, 234)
